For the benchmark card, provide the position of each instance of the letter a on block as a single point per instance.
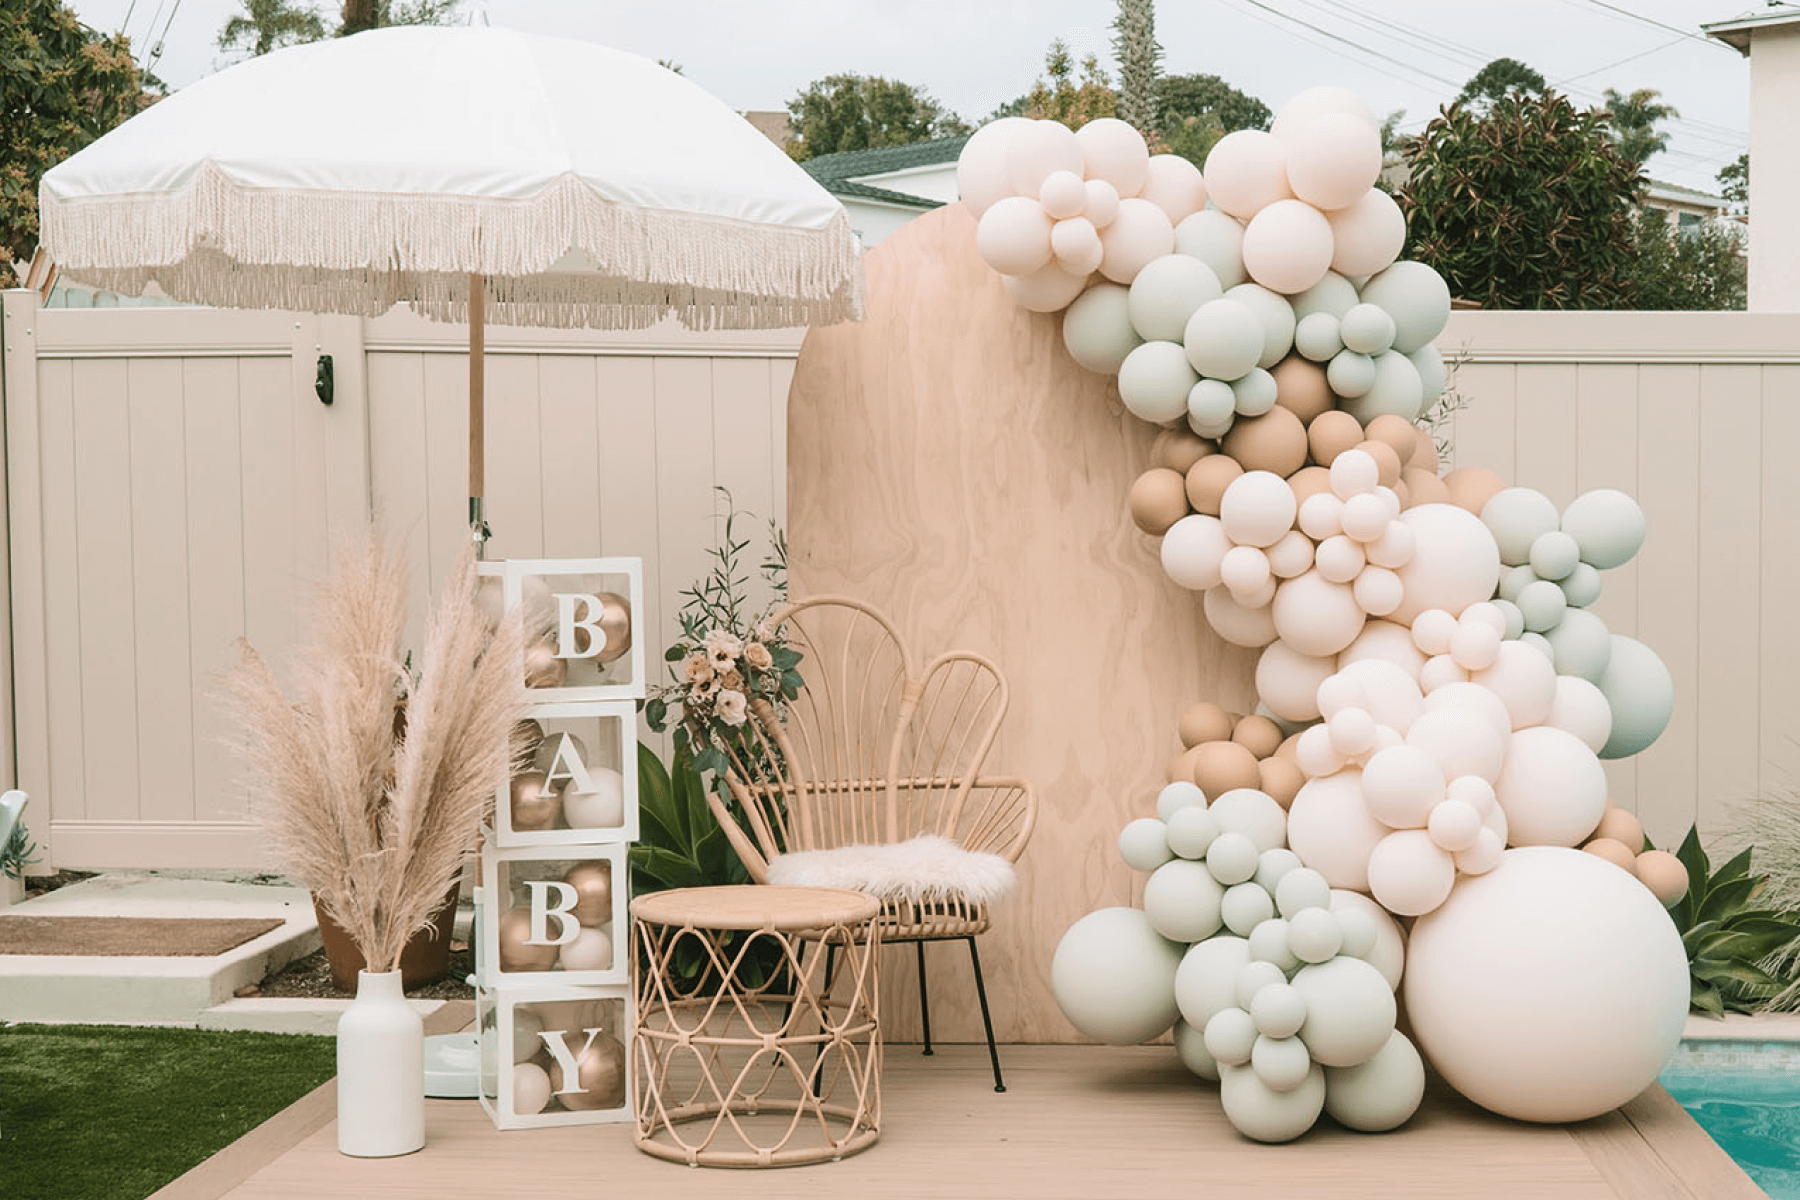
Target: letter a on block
(567, 622)
(567, 1065)
(566, 764)
(567, 927)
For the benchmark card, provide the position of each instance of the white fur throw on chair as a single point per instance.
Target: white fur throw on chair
(920, 869)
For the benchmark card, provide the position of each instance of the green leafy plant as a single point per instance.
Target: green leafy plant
(681, 845)
(18, 853)
(1725, 935)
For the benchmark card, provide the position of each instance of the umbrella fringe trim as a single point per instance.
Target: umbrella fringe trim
(215, 242)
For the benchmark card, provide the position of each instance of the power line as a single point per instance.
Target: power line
(1643, 20)
(1620, 62)
(1336, 37)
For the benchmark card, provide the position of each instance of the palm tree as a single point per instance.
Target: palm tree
(1635, 118)
(267, 25)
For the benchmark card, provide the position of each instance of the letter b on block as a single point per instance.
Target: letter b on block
(569, 619)
(568, 928)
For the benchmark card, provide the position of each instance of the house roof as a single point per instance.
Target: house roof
(1736, 32)
(1675, 191)
(840, 173)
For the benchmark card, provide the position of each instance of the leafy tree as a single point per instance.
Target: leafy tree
(1734, 184)
(1529, 205)
(359, 15)
(1136, 49)
(266, 25)
(1194, 111)
(1499, 79)
(1635, 118)
(1700, 267)
(61, 86)
(1059, 97)
(862, 112)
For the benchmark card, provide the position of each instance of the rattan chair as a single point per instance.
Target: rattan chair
(877, 750)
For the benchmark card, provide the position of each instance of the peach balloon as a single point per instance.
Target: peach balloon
(1332, 433)
(1387, 461)
(981, 174)
(1114, 151)
(1423, 487)
(1178, 449)
(1281, 779)
(1207, 480)
(1181, 767)
(1316, 616)
(1395, 431)
(1663, 874)
(1288, 681)
(1331, 829)
(1287, 246)
(1175, 185)
(1258, 734)
(1014, 236)
(1367, 235)
(1140, 234)
(1037, 150)
(1075, 243)
(1333, 160)
(1063, 195)
(1613, 851)
(1301, 387)
(1239, 622)
(1220, 767)
(1622, 825)
(1050, 288)
(1424, 454)
(1455, 562)
(1158, 500)
(1274, 442)
(1386, 641)
(1310, 481)
(1246, 171)
(1472, 487)
(1204, 722)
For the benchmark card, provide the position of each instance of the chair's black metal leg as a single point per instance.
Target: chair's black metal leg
(986, 1020)
(818, 1071)
(830, 959)
(924, 998)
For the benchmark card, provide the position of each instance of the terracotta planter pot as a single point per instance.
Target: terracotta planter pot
(426, 958)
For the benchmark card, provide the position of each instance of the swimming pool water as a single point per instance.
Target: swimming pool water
(1747, 1096)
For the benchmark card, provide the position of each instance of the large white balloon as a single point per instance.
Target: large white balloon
(981, 171)
(1552, 989)
(1113, 976)
(1333, 160)
(1192, 550)
(1641, 693)
(1331, 829)
(1367, 236)
(1114, 151)
(1137, 236)
(1455, 562)
(1245, 171)
(1315, 616)
(1038, 149)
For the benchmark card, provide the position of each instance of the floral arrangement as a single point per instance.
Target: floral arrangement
(730, 658)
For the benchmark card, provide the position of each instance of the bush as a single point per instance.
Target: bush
(1698, 268)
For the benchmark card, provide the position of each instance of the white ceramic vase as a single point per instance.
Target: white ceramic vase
(381, 1071)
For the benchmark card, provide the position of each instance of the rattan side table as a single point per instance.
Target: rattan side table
(755, 1063)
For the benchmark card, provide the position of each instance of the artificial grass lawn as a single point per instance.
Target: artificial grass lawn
(113, 1112)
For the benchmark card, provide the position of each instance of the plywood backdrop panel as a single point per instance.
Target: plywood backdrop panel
(948, 462)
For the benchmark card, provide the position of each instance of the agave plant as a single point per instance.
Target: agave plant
(1726, 935)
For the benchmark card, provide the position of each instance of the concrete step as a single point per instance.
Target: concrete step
(290, 1014)
(133, 990)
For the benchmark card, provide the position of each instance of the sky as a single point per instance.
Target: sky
(974, 55)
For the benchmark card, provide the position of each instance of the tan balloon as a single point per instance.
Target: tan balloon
(1332, 433)
(1257, 734)
(1309, 481)
(1472, 487)
(1204, 722)
(1425, 453)
(1387, 460)
(542, 668)
(1622, 826)
(1158, 499)
(1289, 746)
(517, 954)
(1422, 487)
(1221, 766)
(1281, 778)
(1663, 874)
(1179, 449)
(1181, 767)
(601, 1073)
(1395, 431)
(1275, 442)
(535, 803)
(592, 882)
(1207, 481)
(1613, 851)
(1300, 387)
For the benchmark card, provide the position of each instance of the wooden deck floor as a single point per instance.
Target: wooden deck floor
(1079, 1122)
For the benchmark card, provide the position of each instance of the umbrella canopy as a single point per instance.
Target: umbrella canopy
(573, 184)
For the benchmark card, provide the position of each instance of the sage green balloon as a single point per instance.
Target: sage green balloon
(1113, 976)
(1317, 337)
(1183, 901)
(1381, 1094)
(1167, 292)
(1144, 844)
(1333, 294)
(1396, 390)
(1190, 1047)
(1641, 693)
(1216, 240)
(1261, 1113)
(1607, 524)
(1581, 645)
(1416, 297)
(1517, 517)
(1097, 328)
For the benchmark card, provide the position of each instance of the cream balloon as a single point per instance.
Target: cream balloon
(1114, 151)
(1140, 233)
(1409, 874)
(1315, 616)
(1331, 829)
(1579, 708)
(1037, 150)
(1246, 171)
(1175, 185)
(1288, 246)
(1014, 236)
(1332, 160)
(1048, 289)
(1455, 562)
(1366, 236)
(1524, 680)
(1075, 245)
(1315, 102)
(1239, 624)
(981, 169)
(1288, 681)
(1552, 788)
(1192, 551)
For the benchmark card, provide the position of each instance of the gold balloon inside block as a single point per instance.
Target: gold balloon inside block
(536, 802)
(580, 785)
(581, 613)
(555, 1055)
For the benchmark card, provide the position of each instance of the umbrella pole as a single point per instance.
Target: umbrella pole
(478, 526)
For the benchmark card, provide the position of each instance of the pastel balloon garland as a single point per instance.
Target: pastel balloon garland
(1436, 693)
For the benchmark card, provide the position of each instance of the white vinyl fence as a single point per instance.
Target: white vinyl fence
(173, 483)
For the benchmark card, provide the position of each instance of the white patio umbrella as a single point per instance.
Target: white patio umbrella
(476, 174)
